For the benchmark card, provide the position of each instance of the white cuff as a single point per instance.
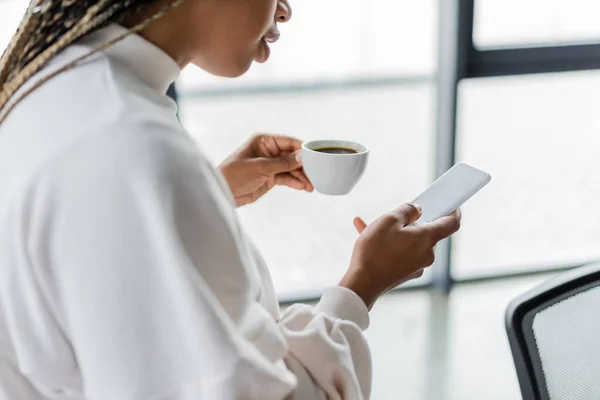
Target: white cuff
(343, 303)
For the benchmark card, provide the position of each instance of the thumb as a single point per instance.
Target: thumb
(283, 163)
(408, 213)
(359, 224)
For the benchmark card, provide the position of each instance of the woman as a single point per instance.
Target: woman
(124, 271)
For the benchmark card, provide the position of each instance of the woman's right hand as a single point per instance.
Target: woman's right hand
(389, 251)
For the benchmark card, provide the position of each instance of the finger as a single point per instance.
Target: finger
(277, 144)
(277, 165)
(252, 197)
(444, 227)
(458, 214)
(287, 143)
(301, 176)
(359, 224)
(416, 275)
(289, 181)
(429, 258)
(408, 213)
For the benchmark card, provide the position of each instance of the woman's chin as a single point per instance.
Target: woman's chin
(227, 71)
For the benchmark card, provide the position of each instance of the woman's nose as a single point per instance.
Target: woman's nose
(284, 11)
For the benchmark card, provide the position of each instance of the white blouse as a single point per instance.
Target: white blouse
(124, 273)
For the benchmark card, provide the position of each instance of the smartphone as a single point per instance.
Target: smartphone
(451, 191)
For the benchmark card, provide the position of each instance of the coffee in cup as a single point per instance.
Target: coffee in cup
(334, 167)
(336, 150)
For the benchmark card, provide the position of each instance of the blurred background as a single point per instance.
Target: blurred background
(511, 86)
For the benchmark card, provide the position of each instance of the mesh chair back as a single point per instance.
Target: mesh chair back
(554, 332)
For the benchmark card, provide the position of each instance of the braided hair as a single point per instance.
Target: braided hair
(49, 26)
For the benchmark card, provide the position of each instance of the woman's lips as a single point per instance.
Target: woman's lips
(272, 36)
(264, 51)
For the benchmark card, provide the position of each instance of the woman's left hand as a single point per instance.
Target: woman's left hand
(263, 162)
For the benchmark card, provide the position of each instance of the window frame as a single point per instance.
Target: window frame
(459, 58)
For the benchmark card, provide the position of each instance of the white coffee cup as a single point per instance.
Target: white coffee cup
(330, 173)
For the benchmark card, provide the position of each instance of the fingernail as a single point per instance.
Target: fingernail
(298, 157)
(419, 208)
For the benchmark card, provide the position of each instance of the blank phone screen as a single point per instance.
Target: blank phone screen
(451, 191)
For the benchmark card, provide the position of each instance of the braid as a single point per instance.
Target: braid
(24, 30)
(49, 26)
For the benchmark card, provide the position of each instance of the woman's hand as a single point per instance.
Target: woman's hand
(263, 162)
(389, 251)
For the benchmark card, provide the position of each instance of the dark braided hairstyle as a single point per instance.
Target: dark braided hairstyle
(49, 26)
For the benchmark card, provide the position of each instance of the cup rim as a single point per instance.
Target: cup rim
(360, 148)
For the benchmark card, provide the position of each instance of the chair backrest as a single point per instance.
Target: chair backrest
(554, 335)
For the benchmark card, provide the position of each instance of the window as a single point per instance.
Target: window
(381, 69)
(539, 138)
(337, 40)
(526, 22)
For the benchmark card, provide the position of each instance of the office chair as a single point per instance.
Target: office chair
(554, 335)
